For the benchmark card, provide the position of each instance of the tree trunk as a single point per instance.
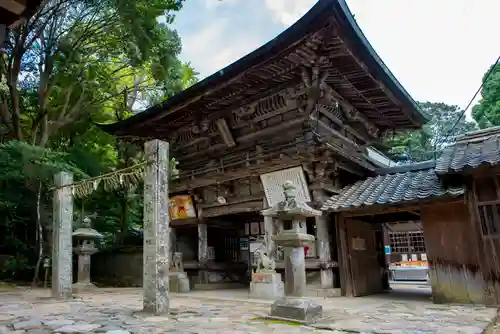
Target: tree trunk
(36, 276)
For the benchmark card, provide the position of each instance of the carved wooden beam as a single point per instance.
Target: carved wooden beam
(274, 130)
(351, 112)
(225, 132)
(313, 78)
(334, 133)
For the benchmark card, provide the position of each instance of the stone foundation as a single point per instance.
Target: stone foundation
(299, 309)
(178, 282)
(267, 285)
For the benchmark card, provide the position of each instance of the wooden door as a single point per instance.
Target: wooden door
(366, 272)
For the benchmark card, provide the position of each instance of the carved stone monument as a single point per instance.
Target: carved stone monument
(85, 237)
(62, 264)
(266, 282)
(156, 249)
(178, 280)
(293, 214)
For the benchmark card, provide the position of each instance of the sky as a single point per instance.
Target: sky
(438, 50)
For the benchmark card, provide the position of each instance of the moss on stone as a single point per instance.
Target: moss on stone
(276, 321)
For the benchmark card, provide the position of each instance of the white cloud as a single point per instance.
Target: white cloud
(211, 50)
(287, 12)
(212, 4)
(438, 49)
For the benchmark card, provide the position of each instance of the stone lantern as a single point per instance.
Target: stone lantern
(85, 237)
(293, 214)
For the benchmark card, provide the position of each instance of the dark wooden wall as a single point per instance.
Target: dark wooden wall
(453, 254)
(484, 200)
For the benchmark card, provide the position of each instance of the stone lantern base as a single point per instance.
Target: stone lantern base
(267, 285)
(178, 282)
(298, 309)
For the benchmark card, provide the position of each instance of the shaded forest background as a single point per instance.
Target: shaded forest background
(80, 62)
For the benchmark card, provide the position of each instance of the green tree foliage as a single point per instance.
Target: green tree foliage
(423, 144)
(73, 64)
(487, 112)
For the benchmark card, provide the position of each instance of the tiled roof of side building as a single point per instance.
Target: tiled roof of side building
(470, 151)
(394, 185)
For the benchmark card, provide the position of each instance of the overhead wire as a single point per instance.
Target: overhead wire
(450, 131)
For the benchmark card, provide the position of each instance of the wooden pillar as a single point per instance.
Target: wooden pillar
(203, 252)
(346, 283)
(3, 35)
(156, 228)
(323, 247)
(387, 242)
(62, 259)
(173, 240)
(323, 241)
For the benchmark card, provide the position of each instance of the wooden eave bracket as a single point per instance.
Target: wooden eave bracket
(225, 132)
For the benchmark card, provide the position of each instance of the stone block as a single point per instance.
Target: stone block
(267, 285)
(81, 287)
(178, 282)
(299, 309)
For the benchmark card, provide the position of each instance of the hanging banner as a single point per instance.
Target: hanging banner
(181, 207)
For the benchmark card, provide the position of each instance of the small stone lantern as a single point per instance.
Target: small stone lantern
(293, 214)
(85, 237)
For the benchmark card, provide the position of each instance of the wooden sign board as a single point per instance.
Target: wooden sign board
(273, 184)
(358, 244)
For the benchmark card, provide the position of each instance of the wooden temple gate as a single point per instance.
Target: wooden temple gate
(316, 97)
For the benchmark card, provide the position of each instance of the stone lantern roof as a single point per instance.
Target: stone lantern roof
(291, 208)
(86, 232)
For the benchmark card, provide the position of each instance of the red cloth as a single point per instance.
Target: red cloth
(306, 249)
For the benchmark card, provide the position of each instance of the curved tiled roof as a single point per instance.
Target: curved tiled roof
(414, 184)
(323, 13)
(470, 151)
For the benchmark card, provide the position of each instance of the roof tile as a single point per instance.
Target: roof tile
(470, 151)
(391, 188)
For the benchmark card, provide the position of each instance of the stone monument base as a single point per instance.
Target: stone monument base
(178, 282)
(298, 309)
(267, 285)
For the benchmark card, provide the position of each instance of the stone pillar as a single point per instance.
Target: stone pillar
(323, 248)
(202, 252)
(156, 228)
(295, 272)
(269, 232)
(62, 259)
(83, 269)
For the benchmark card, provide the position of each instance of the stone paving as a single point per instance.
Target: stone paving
(117, 311)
